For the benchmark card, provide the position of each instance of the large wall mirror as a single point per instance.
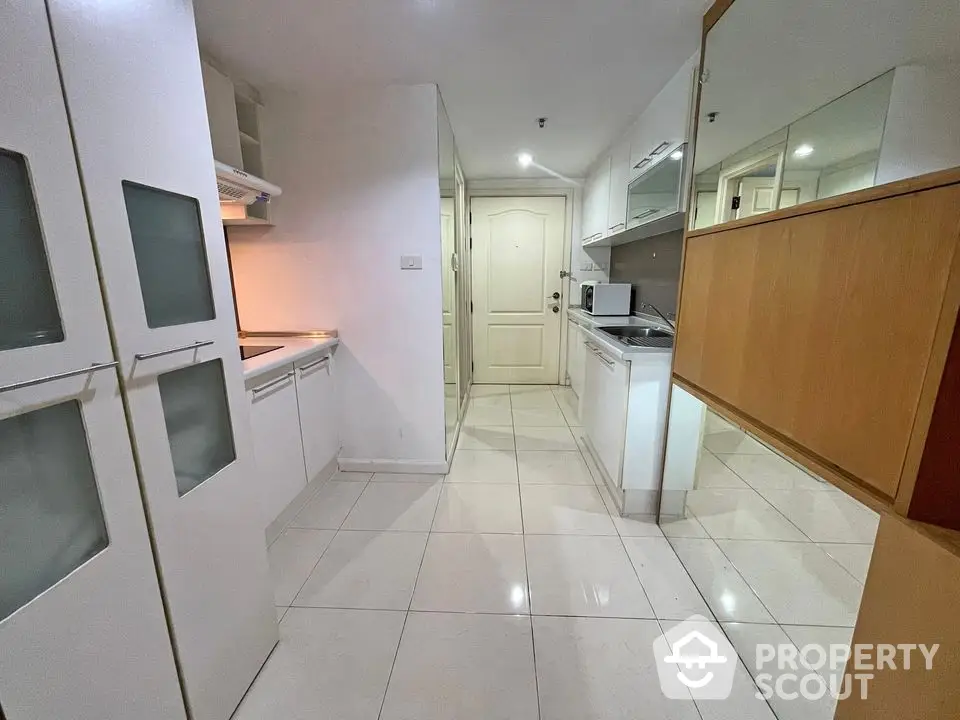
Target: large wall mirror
(449, 255)
(805, 101)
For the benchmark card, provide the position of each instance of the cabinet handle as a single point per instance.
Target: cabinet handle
(660, 148)
(273, 383)
(618, 225)
(96, 367)
(603, 358)
(325, 360)
(642, 163)
(183, 348)
(595, 236)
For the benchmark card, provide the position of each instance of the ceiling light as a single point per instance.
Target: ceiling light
(525, 159)
(676, 155)
(803, 151)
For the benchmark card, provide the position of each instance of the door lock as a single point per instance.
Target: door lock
(556, 309)
(556, 296)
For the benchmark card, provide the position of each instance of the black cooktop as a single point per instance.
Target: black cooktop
(252, 351)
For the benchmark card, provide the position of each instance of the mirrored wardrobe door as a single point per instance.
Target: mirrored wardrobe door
(144, 149)
(82, 628)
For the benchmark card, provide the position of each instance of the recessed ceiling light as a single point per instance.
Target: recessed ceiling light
(676, 155)
(525, 159)
(803, 151)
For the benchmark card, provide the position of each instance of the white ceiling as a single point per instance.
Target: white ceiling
(590, 66)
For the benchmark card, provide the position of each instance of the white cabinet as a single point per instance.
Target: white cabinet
(619, 179)
(277, 440)
(603, 408)
(596, 199)
(222, 116)
(666, 121)
(316, 392)
(575, 357)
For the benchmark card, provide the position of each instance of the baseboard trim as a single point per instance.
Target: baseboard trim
(426, 467)
(287, 515)
(616, 493)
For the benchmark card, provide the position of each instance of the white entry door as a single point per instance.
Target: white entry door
(517, 302)
(82, 628)
(448, 250)
(143, 143)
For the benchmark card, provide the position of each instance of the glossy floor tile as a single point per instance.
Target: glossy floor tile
(292, 557)
(726, 592)
(830, 517)
(669, 588)
(712, 473)
(406, 478)
(601, 669)
(854, 558)
(498, 437)
(394, 506)
(365, 570)
(771, 472)
(486, 415)
(329, 507)
(636, 525)
(476, 508)
(583, 575)
(473, 573)
(797, 582)
(740, 515)
(469, 667)
(484, 466)
(553, 468)
(328, 664)
(545, 438)
(564, 509)
(733, 441)
(539, 417)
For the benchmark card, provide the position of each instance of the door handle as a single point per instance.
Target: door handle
(183, 348)
(555, 296)
(556, 309)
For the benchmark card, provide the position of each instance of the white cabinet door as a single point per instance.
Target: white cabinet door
(82, 629)
(596, 198)
(139, 118)
(222, 116)
(604, 408)
(275, 418)
(666, 121)
(317, 393)
(575, 358)
(619, 180)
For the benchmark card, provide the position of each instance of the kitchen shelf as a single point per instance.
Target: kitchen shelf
(667, 223)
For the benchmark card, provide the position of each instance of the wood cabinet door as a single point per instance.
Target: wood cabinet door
(317, 393)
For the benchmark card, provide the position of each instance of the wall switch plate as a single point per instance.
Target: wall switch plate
(411, 262)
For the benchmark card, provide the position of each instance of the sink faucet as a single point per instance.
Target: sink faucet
(653, 307)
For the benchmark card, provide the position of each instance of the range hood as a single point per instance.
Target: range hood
(242, 188)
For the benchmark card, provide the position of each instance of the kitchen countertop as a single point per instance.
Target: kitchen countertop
(589, 324)
(294, 348)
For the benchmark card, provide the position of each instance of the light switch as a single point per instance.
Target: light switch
(411, 262)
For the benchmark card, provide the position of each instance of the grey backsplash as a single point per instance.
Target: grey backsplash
(652, 266)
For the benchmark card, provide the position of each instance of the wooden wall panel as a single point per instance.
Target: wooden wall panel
(820, 325)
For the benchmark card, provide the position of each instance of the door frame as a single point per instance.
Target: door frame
(728, 184)
(571, 225)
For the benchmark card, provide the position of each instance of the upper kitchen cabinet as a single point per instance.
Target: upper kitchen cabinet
(666, 122)
(233, 114)
(596, 203)
(619, 178)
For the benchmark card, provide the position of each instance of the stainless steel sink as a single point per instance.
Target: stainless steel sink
(634, 336)
(636, 332)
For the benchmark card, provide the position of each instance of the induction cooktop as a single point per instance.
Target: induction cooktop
(252, 351)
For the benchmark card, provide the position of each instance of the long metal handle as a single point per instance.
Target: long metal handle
(618, 225)
(642, 163)
(603, 358)
(593, 237)
(325, 360)
(273, 383)
(195, 346)
(660, 148)
(96, 367)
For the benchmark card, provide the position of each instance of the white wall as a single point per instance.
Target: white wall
(360, 188)
(921, 134)
(838, 182)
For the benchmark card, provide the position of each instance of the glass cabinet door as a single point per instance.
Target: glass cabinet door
(657, 192)
(78, 587)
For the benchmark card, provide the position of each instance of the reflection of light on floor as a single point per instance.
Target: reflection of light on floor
(518, 596)
(729, 602)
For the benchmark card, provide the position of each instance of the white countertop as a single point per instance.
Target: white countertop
(294, 348)
(589, 324)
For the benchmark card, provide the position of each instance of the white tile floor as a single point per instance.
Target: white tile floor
(508, 590)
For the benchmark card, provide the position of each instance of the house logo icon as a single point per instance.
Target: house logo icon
(695, 659)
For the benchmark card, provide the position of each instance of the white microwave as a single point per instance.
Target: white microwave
(599, 298)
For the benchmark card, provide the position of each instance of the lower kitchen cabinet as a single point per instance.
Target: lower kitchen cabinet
(603, 408)
(317, 396)
(575, 357)
(277, 443)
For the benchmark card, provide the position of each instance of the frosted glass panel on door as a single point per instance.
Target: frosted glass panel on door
(171, 256)
(51, 521)
(197, 417)
(28, 306)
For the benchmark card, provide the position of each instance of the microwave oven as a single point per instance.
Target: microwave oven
(599, 298)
